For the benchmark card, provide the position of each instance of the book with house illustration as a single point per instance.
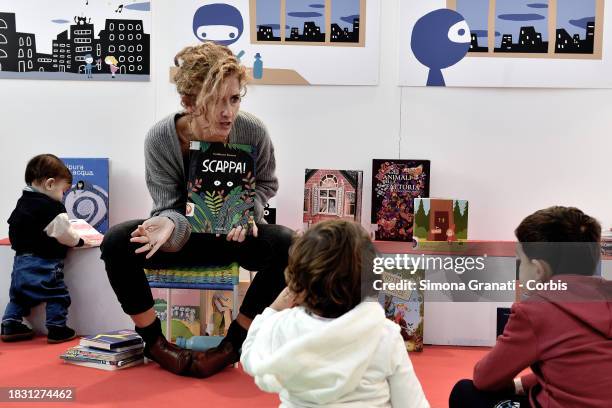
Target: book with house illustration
(332, 194)
(395, 185)
(221, 187)
(437, 219)
(405, 307)
(88, 197)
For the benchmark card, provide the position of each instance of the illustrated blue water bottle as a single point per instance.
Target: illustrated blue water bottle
(199, 343)
(258, 67)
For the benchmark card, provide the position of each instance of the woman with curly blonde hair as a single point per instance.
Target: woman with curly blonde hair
(211, 83)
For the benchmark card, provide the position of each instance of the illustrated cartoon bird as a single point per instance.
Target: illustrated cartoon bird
(440, 39)
(218, 22)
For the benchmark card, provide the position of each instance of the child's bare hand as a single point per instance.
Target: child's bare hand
(285, 300)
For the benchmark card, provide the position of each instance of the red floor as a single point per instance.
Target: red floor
(36, 364)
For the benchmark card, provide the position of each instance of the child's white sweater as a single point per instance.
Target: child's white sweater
(356, 360)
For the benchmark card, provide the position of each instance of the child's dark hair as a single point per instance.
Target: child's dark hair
(326, 267)
(565, 237)
(45, 166)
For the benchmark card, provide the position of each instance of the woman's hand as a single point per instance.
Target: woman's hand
(153, 233)
(285, 300)
(238, 233)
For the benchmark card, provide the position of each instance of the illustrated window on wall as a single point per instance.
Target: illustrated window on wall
(328, 195)
(534, 28)
(308, 22)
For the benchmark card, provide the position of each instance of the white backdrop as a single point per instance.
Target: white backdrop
(508, 151)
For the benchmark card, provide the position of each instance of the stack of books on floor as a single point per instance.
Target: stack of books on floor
(107, 351)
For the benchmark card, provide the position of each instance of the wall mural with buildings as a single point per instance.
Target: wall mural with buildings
(296, 42)
(75, 40)
(515, 43)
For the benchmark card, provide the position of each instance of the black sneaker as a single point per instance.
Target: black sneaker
(60, 334)
(15, 331)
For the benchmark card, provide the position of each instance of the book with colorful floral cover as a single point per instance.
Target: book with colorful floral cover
(221, 187)
(395, 185)
(88, 197)
(113, 340)
(332, 194)
(438, 219)
(405, 306)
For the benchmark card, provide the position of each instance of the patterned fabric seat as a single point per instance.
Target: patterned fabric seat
(224, 277)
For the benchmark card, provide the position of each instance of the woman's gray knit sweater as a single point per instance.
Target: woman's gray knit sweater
(165, 175)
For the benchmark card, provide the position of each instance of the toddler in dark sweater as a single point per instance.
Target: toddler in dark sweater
(40, 233)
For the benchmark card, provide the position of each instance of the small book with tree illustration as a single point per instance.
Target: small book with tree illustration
(221, 187)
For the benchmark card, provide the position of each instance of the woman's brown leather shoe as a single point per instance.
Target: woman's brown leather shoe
(169, 356)
(207, 363)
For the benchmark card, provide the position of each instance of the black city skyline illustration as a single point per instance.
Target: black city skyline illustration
(312, 33)
(530, 41)
(125, 40)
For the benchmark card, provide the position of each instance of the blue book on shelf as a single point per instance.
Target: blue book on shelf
(87, 198)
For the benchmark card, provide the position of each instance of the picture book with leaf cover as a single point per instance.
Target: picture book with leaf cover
(221, 187)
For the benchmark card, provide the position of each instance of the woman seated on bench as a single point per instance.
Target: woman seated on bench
(211, 83)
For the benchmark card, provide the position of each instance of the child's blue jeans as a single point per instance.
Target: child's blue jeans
(35, 280)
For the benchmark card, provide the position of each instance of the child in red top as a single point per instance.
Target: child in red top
(562, 330)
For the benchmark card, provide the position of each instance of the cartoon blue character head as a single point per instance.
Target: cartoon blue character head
(218, 22)
(88, 58)
(440, 39)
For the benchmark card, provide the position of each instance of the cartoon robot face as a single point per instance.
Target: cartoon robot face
(219, 22)
(440, 39)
